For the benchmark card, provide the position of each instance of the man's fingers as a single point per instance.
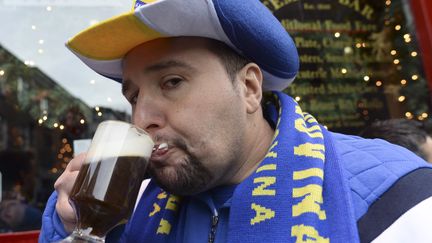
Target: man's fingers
(63, 186)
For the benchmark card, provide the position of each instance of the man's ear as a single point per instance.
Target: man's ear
(251, 78)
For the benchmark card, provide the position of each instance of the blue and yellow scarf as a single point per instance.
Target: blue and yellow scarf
(297, 194)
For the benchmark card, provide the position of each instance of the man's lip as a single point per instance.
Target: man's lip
(159, 153)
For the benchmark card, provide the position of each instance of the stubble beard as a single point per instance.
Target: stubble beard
(187, 178)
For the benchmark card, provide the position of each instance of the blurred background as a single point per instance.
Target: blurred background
(361, 61)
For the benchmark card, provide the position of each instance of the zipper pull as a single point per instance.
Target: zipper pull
(212, 234)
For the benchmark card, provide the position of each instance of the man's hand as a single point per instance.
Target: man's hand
(63, 186)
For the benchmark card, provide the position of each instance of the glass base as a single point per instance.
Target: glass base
(79, 237)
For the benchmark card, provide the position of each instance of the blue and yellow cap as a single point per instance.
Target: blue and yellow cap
(245, 25)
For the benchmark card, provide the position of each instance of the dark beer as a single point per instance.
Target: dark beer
(105, 191)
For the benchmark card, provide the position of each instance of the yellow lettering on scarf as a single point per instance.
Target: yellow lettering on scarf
(260, 190)
(261, 214)
(300, 125)
(310, 150)
(162, 195)
(272, 154)
(303, 174)
(309, 118)
(172, 203)
(313, 131)
(307, 234)
(266, 167)
(164, 227)
(311, 203)
(156, 208)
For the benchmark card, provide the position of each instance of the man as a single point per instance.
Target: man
(406, 133)
(228, 169)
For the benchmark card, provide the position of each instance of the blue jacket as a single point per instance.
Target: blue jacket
(370, 167)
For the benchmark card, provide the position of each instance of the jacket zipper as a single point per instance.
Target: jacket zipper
(212, 234)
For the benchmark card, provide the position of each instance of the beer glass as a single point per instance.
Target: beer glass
(108, 182)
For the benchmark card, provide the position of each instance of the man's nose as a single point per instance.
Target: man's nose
(148, 115)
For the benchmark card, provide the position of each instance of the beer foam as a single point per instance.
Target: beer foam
(134, 147)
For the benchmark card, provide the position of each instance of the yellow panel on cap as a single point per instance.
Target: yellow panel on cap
(113, 38)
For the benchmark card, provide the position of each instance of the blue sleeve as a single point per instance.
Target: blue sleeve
(52, 227)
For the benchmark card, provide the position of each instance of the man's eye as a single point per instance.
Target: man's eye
(171, 83)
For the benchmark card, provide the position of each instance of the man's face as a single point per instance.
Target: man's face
(182, 96)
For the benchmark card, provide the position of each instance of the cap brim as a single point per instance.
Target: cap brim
(113, 38)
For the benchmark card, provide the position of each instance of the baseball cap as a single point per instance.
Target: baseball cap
(247, 26)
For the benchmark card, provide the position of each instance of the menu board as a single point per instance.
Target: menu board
(350, 73)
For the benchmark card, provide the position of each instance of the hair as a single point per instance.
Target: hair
(231, 60)
(406, 133)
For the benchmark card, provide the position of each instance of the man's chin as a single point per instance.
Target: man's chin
(169, 180)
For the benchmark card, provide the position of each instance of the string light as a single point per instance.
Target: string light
(92, 81)
(337, 34)
(2, 72)
(344, 70)
(97, 108)
(408, 115)
(403, 81)
(33, 27)
(41, 41)
(44, 118)
(401, 98)
(61, 127)
(388, 2)
(424, 115)
(99, 113)
(396, 61)
(414, 77)
(378, 83)
(40, 51)
(56, 125)
(29, 63)
(398, 27)
(393, 52)
(109, 99)
(82, 121)
(366, 78)
(49, 8)
(40, 121)
(358, 45)
(348, 50)
(64, 140)
(297, 98)
(406, 36)
(413, 54)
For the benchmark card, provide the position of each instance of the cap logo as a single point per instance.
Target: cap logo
(139, 3)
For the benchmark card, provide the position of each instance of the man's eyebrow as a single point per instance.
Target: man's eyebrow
(159, 67)
(168, 64)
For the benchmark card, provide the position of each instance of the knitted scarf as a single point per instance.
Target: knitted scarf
(297, 194)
